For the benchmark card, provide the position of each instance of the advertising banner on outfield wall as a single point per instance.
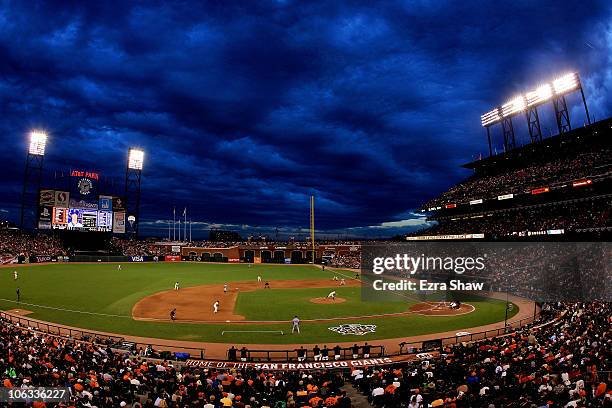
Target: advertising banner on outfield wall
(172, 258)
(42, 258)
(451, 272)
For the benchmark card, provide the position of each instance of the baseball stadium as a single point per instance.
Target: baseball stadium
(500, 297)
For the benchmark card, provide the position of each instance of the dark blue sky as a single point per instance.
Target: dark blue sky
(245, 109)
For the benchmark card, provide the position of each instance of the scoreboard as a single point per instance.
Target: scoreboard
(80, 207)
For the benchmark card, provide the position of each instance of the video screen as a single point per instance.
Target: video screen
(60, 217)
(105, 221)
(75, 218)
(90, 220)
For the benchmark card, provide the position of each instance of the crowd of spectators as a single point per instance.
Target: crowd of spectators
(134, 247)
(569, 216)
(15, 243)
(351, 260)
(525, 178)
(99, 376)
(559, 365)
(565, 363)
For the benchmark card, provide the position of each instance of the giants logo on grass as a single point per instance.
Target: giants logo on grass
(357, 329)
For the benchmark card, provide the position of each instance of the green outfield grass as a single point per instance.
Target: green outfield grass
(61, 290)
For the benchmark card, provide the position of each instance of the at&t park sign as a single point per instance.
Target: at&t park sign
(88, 174)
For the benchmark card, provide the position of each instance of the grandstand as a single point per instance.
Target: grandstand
(560, 187)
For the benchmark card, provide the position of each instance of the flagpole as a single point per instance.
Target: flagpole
(179, 229)
(190, 230)
(174, 223)
(185, 214)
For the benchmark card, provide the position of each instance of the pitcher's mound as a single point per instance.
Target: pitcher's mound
(434, 309)
(327, 301)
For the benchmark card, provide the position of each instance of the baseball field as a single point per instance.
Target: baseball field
(137, 300)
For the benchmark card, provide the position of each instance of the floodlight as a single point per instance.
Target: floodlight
(540, 95)
(38, 142)
(490, 117)
(135, 159)
(566, 83)
(515, 105)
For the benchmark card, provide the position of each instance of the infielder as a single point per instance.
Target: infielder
(173, 314)
(176, 285)
(216, 307)
(225, 289)
(296, 325)
(342, 282)
(332, 295)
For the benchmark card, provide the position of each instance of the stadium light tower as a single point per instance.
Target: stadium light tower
(32, 179)
(554, 91)
(133, 175)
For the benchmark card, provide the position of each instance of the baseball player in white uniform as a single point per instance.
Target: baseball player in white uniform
(296, 325)
(258, 279)
(176, 285)
(225, 287)
(216, 307)
(15, 275)
(119, 267)
(332, 295)
(342, 282)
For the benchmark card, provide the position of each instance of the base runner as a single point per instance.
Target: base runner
(296, 325)
(216, 307)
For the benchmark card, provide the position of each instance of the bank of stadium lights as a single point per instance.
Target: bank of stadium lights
(135, 159)
(527, 105)
(559, 87)
(38, 142)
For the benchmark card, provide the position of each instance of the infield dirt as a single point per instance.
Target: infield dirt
(196, 303)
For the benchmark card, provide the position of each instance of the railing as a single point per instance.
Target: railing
(55, 330)
(292, 355)
(93, 337)
(437, 344)
(255, 355)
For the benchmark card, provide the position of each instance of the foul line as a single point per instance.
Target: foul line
(408, 312)
(65, 310)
